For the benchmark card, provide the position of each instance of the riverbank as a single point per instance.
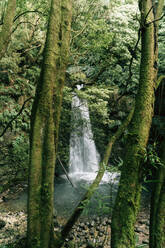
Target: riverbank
(88, 232)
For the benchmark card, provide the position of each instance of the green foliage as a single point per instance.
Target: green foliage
(103, 42)
(152, 157)
(19, 73)
(19, 152)
(13, 160)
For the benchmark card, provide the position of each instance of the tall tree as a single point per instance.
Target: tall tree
(128, 197)
(42, 145)
(7, 26)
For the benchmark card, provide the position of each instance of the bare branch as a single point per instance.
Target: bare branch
(66, 173)
(20, 24)
(156, 20)
(27, 12)
(159, 80)
(148, 14)
(15, 117)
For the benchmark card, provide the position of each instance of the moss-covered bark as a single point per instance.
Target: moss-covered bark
(159, 234)
(157, 212)
(42, 145)
(128, 197)
(64, 43)
(157, 220)
(42, 156)
(7, 26)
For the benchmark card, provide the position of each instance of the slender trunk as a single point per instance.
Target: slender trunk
(60, 238)
(7, 26)
(42, 156)
(64, 40)
(160, 224)
(157, 220)
(128, 197)
(45, 125)
(155, 240)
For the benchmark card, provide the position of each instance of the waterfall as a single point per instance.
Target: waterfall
(84, 158)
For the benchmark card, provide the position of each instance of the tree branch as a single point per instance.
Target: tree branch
(156, 20)
(20, 24)
(66, 173)
(15, 117)
(148, 14)
(159, 80)
(27, 12)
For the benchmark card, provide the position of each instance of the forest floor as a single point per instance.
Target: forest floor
(87, 232)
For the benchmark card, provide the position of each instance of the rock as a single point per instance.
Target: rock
(145, 242)
(138, 230)
(97, 228)
(92, 224)
(142, 222)
(82, 225)
(2, 224)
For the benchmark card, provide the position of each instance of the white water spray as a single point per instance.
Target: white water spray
(84, 158)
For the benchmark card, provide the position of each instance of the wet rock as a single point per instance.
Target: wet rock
(2, 224)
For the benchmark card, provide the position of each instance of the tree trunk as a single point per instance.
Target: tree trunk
(128, 197)
(64, 40)
(160, 217)
(157, 217)
(7, 26)
(157, 220)
(42, 145)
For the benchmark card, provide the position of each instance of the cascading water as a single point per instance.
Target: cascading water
(84, 158)
(84, 164)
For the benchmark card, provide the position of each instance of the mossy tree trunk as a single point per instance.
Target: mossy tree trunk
(64, 43)
(128, 197)
(157, 219)
(159, 228)
(157, 213)
(7, 26)
(42, 140)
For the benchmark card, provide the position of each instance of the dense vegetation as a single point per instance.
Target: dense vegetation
(104, 56)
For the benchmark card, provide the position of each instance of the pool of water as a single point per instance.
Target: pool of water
(68, 196)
